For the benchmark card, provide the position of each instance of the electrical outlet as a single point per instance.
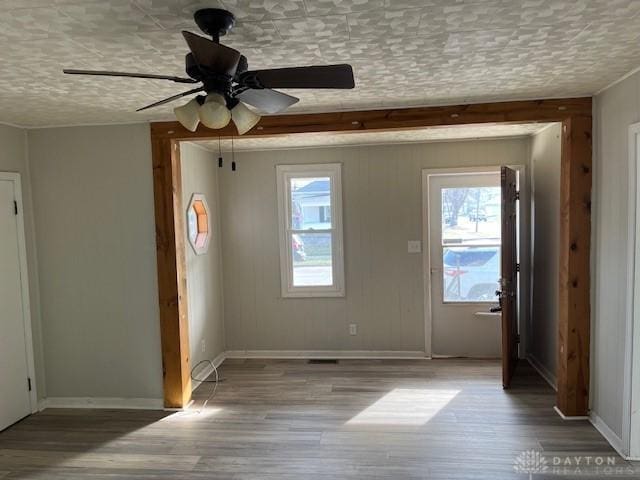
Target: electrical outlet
(353, 329)
(414, 246)
(203, 345)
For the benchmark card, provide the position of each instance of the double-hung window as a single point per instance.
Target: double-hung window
(310, 218)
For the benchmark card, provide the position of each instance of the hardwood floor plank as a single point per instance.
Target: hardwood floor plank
(286, 419)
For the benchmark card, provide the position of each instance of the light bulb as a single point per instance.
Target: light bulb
(187, 114)
(244, 118)
(214, 112)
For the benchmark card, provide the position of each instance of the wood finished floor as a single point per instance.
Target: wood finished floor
(439, 419)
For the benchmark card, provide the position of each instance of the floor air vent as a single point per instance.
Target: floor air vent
(322, 360)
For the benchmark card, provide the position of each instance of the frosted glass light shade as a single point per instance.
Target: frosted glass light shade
(214, 112)
(244, 118)
(187, 115)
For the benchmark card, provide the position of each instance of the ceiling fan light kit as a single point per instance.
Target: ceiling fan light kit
(214, 113)
(188, 114)
(244, 118)
(229, 84)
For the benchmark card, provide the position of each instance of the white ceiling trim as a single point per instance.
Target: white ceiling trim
(615, 82)
(76, 125)
(13, 125)
(548, 125)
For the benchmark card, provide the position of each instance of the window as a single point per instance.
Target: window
(310, 217)
(471, 238)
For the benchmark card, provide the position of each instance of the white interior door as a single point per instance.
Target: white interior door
(631, 412)
(464, 248)
(14, 390)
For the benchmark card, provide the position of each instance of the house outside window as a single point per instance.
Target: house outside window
(310, 216)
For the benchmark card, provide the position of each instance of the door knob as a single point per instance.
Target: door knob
(499, 307)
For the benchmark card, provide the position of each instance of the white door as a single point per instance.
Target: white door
(464, 249)
(14, 389)
(631, 410)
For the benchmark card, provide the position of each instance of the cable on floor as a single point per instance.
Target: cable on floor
(206, 380)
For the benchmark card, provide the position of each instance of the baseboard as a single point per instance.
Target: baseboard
(570, 418)
(340, 354)
(206, 369)
(609, 435)
(544, 372)
(102, 402)
(436, 356)
(124, 403)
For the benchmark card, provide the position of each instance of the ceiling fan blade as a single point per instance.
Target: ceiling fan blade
(211, 55)
(326, 76)
(108, 73)
(266, 100)
(171, 99)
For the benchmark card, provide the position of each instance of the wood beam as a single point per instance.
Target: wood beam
(172, 280)
(574, 295)
(394, 119)
(574, 280)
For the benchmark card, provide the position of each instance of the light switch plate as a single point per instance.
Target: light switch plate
(414, 246)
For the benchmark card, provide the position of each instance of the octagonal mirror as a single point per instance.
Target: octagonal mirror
(198, 224)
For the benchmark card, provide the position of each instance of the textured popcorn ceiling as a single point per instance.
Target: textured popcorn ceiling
(404, 52)
(432, 134)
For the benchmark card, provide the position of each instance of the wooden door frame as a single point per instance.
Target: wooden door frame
(575, 220)
(524, 232)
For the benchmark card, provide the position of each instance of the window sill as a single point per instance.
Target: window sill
(313, 294)
(486, 305)
(488, 314)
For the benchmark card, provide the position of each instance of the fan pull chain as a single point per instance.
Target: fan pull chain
(233, 157)
(219, 152)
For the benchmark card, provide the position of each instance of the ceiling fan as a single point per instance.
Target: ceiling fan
(227, 83)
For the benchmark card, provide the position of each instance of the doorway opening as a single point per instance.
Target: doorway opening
(575, 187)
(472, 299)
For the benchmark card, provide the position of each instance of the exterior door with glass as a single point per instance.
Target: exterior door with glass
(464, 253)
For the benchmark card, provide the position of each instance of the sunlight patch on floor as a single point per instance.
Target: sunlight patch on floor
(192, 413)
(404, 406)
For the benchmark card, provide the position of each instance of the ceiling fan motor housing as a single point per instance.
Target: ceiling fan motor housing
(213, 83)
(215, 22)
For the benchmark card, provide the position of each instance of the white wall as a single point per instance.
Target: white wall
(93, 204)
(204, 272)
(614, 110)
(13, 158)
(382, 211)
(545, 174)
